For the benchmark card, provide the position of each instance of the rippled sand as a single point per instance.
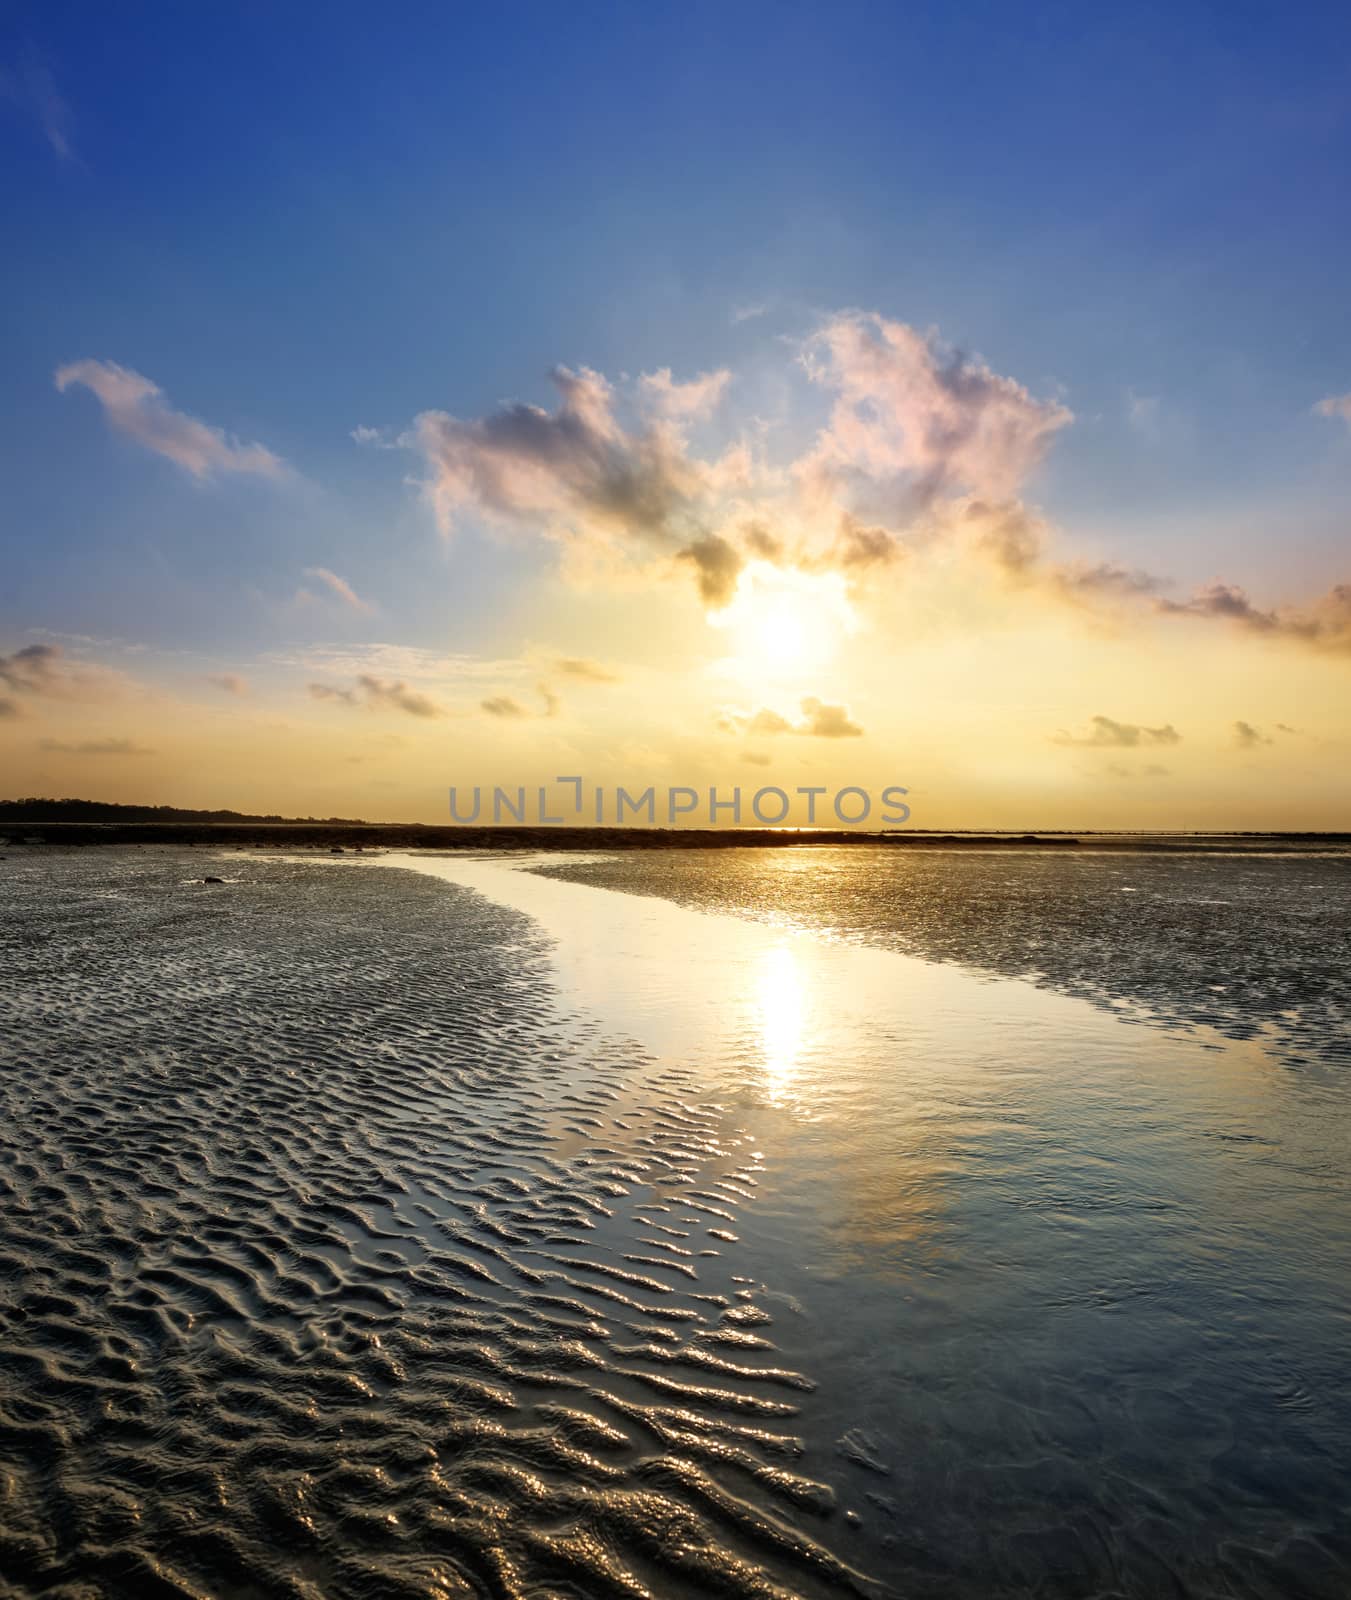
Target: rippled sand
(335, 1261)
(370, 1235)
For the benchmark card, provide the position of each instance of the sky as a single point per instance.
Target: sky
(953, 397)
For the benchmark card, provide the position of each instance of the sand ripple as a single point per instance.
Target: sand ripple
(334, 1262)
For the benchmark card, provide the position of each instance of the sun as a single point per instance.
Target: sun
(783, 625)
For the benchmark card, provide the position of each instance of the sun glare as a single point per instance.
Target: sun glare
(783, 625)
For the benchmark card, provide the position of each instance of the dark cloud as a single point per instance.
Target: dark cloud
(45, 669)
(574, 466)
(32, 670)
(718, 566)
(1246, 737)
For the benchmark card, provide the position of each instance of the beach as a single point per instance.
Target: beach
(776, 1222)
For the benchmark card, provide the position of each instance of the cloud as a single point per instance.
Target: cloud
(749, 312)
(1247, 737)
(46, 670)
(1142, 412)
(906, 404)
(400, 661)
(818, 721)
(574, 469)
(502, 705)
(341, 588)
(96, 747)
(377, 694)
(1335, 405)
(683, 401)
(31, 90)
(397, 697)
(228, 682)
(827, 722)
(587, 671)
(1106, 734)
(33, 670)
(1325, 625)
(8, 708)
(377, 438)
(327, 691)
(137, 407)
(755, 758)
(925, 452)
(717, 565)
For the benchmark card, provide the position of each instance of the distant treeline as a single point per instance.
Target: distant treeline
(35, 810)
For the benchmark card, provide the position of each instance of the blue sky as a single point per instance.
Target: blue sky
(299, 220)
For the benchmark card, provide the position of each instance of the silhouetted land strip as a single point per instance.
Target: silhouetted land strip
(422, 836)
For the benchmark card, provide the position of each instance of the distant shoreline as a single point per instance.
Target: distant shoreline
(405, 836)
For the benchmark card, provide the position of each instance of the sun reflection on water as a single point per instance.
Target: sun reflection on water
(783, 1016)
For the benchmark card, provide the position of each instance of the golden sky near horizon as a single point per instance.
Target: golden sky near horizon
(693, 604)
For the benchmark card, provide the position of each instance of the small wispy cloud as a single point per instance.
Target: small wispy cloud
(508, 708)
(379, 694)
(332, 693)
(31, 90)
(585, 670)
(1335, 405)
(138, 408)
(96, 747)
(377, 438)
(1142, 412)
(1106, 734)
(228, 682)
(339, 587)
(1246, 737)
(502, 705)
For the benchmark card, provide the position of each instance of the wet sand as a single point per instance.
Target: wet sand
(427, 1227)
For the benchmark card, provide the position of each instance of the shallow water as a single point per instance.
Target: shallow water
(368, 1234)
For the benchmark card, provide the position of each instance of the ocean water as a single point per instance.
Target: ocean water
(762, 1223)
